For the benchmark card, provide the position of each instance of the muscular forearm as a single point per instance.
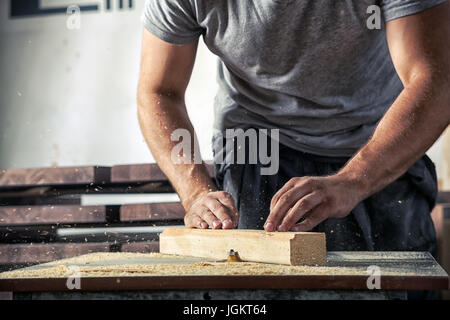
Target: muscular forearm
(165, 72)
(419, 49)
(160, 114)
(412, 124)
(409, 128)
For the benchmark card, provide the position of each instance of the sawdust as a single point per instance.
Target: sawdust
(110, 256)
(63, 269)
(201, 268)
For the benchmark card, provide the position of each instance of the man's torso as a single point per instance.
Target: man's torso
(312, 69)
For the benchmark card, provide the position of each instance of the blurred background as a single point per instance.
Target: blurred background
(68, 96)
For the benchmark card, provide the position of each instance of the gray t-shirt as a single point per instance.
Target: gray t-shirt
(311, 68)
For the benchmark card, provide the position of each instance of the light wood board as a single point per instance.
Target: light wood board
(288, 248)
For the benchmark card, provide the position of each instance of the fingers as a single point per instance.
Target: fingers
(313, 198)
(227, 200)
(288, 185)
(316, 216)
(194, 221)
(211, 219)
(215, 210)
(303, 206)
(284, 199)
(302, 183)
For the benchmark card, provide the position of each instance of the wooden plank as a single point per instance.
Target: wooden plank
(152, 212)
(54, 176)
(399, 271)
(137, 172)
(290, 248)
(443, 197)
(63, 194)
(40, 215)
(143, 173)
(140, 247)
(45, 252)
(446, 160)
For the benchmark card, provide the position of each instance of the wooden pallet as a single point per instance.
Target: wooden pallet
(35, 204)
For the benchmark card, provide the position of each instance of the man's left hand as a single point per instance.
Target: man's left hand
(314, 199)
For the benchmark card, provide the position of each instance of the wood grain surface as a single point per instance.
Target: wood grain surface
(289, 248)
(40, 253)
(55, 214)
(54, 176)
(143, 173)
(443, 197)
(58, 214)
(140, 247)
(152, 212)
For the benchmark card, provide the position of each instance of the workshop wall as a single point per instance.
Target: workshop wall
(68, 96)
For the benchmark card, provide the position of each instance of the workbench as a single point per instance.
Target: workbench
(156, 276)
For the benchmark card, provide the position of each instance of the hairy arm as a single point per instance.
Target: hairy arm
(165, 73)
(420, 49)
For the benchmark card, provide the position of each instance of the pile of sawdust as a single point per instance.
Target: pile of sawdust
(63, 269)
(200, 268)
(109, 256)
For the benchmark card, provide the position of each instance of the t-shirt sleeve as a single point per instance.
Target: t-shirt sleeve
(172, 21)
(394, 9)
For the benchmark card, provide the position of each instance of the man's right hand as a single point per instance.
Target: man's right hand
(165, 72)
(213, 209)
